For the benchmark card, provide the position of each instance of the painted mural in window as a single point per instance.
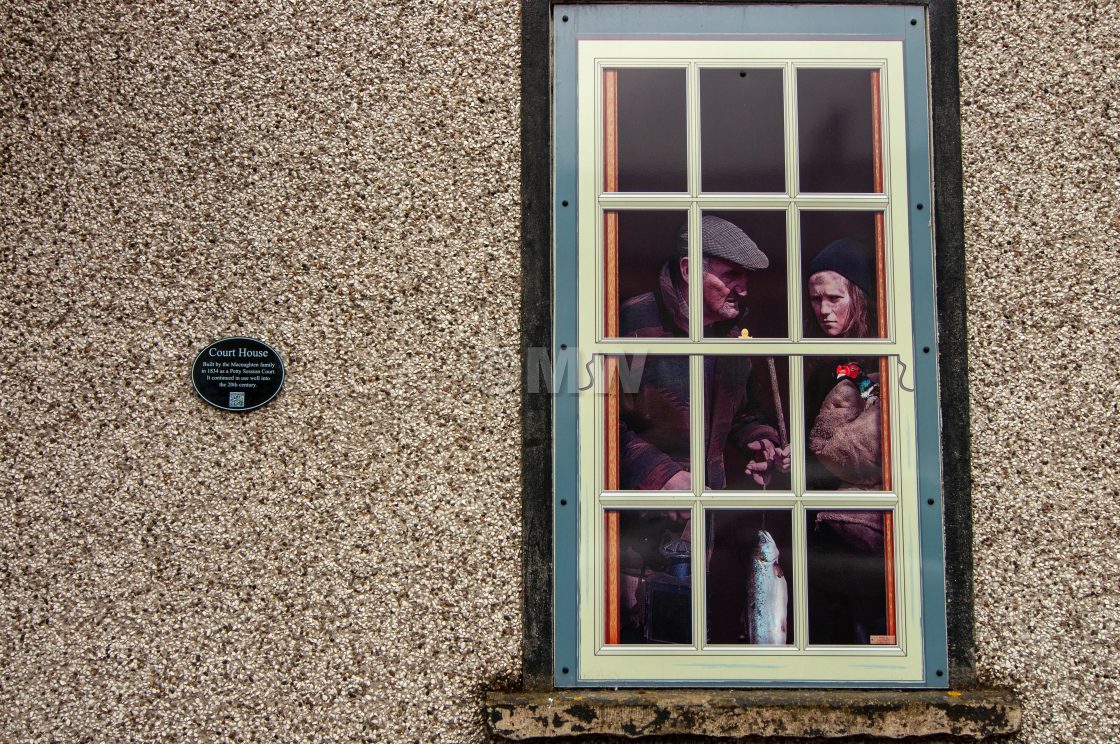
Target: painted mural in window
(748, 487)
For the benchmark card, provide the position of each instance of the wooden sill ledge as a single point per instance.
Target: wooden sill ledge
(894, 714)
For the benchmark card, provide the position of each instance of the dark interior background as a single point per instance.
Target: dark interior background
(847, 587)
(741, 130)
(646, 240)
(652, 154)
(741, 133)
(834, 130)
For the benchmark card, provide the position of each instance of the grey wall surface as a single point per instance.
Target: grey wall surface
(341, 180)
(1041, 132)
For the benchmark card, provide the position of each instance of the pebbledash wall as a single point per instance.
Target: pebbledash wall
(342, 181)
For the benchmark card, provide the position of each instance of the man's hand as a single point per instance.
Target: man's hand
(772, 458)
(682, 481)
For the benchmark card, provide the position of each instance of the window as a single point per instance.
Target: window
(746, 482)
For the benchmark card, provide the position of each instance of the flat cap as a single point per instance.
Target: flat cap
(722, 239)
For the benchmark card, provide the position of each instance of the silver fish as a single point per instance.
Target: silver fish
(766, 594)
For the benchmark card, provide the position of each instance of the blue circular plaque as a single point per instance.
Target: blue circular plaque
(238, 374)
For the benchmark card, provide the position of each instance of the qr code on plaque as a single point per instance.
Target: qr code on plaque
(237, 400)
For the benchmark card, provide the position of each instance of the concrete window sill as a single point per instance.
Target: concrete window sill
(895, 714)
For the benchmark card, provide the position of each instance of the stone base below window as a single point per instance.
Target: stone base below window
(896, 714)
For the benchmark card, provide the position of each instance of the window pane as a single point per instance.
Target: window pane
(840, 260)
(647, 410)
(835, 130)
(654, 582)
(850, 578)
(644, 130)
(746, 423)
(750, 570)
(741, 134)
(848, 424)
(745, 284)
(644, 294)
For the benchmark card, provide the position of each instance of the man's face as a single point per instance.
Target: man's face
(831, 301)
(725, 289)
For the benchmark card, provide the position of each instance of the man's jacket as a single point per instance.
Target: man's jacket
(655, 419)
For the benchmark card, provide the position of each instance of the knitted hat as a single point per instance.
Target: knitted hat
(849, 259)
(722, 239)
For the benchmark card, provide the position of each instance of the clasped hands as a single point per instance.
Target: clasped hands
(772, 458)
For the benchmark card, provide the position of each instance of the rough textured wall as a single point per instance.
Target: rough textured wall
(341, 180)
(1041, 129)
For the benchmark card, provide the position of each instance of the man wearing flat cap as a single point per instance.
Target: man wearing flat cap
(655, 418)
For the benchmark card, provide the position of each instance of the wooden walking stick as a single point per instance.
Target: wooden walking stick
(779, 410)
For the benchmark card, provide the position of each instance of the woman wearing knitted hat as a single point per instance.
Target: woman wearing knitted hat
(845, 547)
(844, 433)
(840, 285)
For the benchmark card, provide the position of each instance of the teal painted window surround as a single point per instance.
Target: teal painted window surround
(793, 41)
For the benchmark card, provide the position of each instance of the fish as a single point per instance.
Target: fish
(766, 595)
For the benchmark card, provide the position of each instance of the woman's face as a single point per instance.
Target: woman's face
(831, 302)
